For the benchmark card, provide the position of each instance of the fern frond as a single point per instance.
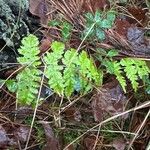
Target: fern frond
(27, 85)
(134, 70)
(118, 72)
(114, 67)
(53, 69)
(29, 78)
(29, 51)
(69, 70)
(142, 68)
(66, 70)
(88, 72)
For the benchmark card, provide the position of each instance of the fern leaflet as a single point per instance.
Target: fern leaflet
(28, 79)
(134, 70)
(75, 69)
(53, 70)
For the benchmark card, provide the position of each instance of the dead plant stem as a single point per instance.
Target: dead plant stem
(35, 110)
(146, 104)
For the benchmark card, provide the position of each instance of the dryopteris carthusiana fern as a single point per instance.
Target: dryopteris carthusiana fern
(133, 68)
(64, 70)
(28, 80)
(68, 70)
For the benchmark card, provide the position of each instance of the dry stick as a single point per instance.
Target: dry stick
(94, 147)
(141, 126)
(59, 121)
(81, 43)
(129, 14)
(36, 106)
(122, 132)
(70, 104)
(11, 76)
(148, 146)
(107, 120)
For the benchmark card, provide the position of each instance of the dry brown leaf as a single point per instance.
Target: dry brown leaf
(21, 133)
(119, 144)
(138, 15)
(89, 142)
(39, 8)
(121, 27)
(73, 114)
(51, 142)
(140, 44)
(93, 5)
(108, 100)
(45, 45)
(3, 138)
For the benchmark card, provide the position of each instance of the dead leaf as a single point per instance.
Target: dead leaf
(21, 133)
(139, 15)
(39, 8)
(3, 138)
(51, 142)
(119, 144)
(89, 142)
(73, 114)
(45, 45)
(93, 5)
(108, 100)
(139, 43)
(121, 27)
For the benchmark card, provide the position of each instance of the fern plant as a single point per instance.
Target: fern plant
(65, 26)
(68, 70)
(134, 69)
(101, 21)
(29, 78)
(53, 69)
(64, 69)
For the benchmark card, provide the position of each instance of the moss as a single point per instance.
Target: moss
(18, 5)
(12, 28)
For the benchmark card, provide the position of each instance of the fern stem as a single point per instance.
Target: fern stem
(109, 119)
(35, 110)
(86, 36)
(82, 42)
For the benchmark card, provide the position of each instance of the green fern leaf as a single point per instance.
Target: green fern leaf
(70, 60)
(29, 78)
(114, 67)
(88, 72)
(134, 69)
(27, 85)
(53, 70)
(118, 72)
(29, 50)
(11, 85)
(67, 70)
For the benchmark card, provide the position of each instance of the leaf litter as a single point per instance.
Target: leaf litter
(109, 100)
(129, 36)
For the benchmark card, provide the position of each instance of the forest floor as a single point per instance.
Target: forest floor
(112, 116)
